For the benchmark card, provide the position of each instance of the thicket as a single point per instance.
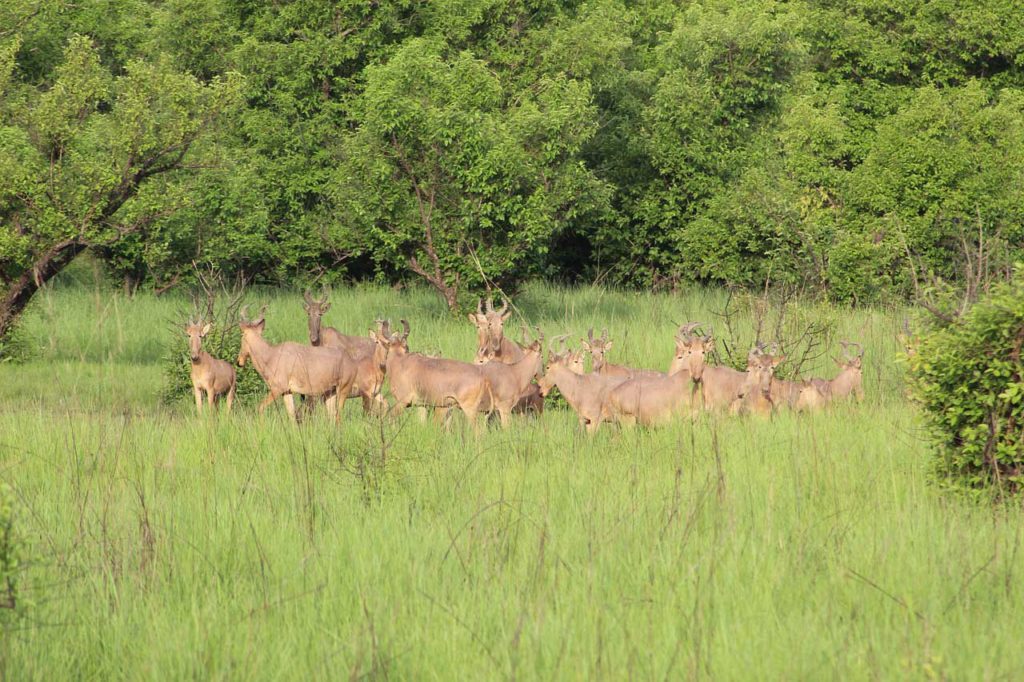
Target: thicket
(851, 148)
(968, 374)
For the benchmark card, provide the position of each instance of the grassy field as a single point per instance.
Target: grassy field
(160, 546)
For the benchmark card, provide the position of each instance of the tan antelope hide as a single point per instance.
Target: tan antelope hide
(754, 395)
(210, 375)
(490, 332)
(330, 337)
(849, 381)
(510, 382)
(651, 400)
(585, 393)
(598, 349)
(416, 379)
(291, 368)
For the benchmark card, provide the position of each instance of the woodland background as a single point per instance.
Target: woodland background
(856, 149)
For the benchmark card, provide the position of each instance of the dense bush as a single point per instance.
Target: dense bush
(969, 376)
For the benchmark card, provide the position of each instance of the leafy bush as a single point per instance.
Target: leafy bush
(969, 377)
(222, 342)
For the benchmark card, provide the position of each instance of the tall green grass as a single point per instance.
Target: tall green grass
(159, 545)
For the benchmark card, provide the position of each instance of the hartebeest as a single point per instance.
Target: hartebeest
(598, 349)
(490, 332)
(292, 368)
(810, 398)
(415, 379)
(210, 375)
(512, 383)
(755, 392)
(357, 346)
(585, 393)
(655, 399)
(850, 379)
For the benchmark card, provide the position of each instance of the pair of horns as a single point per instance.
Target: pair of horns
(603, 338)
(244, 316)
(846, 350)
(384, 327)
(310, 300)
(685, 332)
(490, 305)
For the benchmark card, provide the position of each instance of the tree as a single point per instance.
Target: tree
(86, 159)
(455, 179)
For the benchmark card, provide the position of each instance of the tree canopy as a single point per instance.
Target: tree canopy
(851, 148)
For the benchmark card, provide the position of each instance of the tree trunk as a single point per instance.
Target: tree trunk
(21, 290)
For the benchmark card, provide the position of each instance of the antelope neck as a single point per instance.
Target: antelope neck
(259, 349)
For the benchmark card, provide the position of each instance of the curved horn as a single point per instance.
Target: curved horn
(504, 306)
(590, 335)
(243, 314)
(385, 329)
(860, 349)
(307, 297)
(686, 331)
(323, 296)
(405, 326)
(540, 336)
(479, 306)
(604, 335)
(557, 339)
(490, 304)
(263, 309)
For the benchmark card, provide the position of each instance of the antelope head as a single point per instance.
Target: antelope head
(597, 348)
(490, 325)
(760, 370)
(196, 331)
(251, 329)
(555, 360)
(852, 361)
(315, 311)
(691, 351)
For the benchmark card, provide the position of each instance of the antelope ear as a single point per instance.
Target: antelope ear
(506, 316)
(260, 325)
(206, 329)
(325, 307)
(608, 346)
(585, 344)
(777, 360)
(472, 318)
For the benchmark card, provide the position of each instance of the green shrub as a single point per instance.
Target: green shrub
(969, 377)
(223, 341)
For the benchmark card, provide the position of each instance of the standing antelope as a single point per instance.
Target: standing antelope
(490, 332)
(754, 395)
(850, 379)
(656, 399)
(215, 377)
(585, 393)
(512, 383)
(329, 336)
(598, 349)
(291, 368)
(415, 379)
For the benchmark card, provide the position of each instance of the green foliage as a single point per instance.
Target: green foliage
(969, 377)
(454, 178)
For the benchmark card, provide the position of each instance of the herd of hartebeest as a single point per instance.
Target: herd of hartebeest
(509, 377)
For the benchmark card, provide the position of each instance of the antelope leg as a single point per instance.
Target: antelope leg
(198, 393)
(289, 404)
(231, 396)
(266, 401)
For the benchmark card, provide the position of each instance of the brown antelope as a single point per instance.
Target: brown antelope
(511, 383)
(598, 349)
(810, 398)
(530, 398)
(656, 399)
(490, 331)
(291, 368)
(215, 377)
(329, 336)
(415, 379)
(849, 381)
(719, 385)
(585, 393)
(755, 393)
